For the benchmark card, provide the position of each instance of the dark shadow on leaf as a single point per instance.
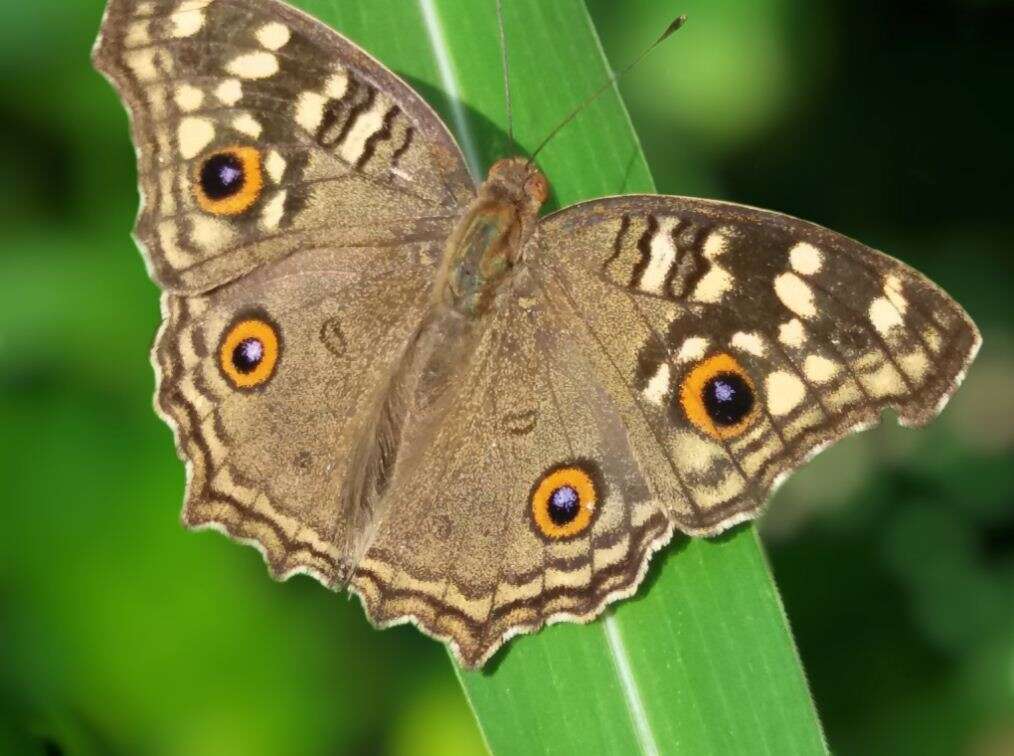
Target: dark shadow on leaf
(492, 143)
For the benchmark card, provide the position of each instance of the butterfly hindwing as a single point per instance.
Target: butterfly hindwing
(746, 339)
(261, 131)
(525, 506)
(266, 382)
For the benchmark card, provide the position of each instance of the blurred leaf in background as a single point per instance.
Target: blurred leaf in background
(121, 633)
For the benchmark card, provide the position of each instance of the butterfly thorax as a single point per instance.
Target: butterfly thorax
(488, 241)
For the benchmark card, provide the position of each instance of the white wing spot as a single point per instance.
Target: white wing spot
(144, 64)
(658, 386)
(661, 256)
(933, 339)
(694, 454)
(255, 65)
(692, 349)
(785, 392)
(188, 98)
(795, 294)
(748, 342)
(715, 245)
(366, 125)
(229, 92)
(137, 35)
(915, 364)
(211, 233)
(274, 211)
(712, 286)
(337, 85)
(717, 281)
(275, 165)
(310, 111)
(884, 381)
(806, 259)
(274, 36)
(884, 315)
(194, 134)
(892, 290)
(248, 125)
(186, 23)
(820, 369)
(792, 333)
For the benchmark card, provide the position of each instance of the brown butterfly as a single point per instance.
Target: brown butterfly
(476, 419)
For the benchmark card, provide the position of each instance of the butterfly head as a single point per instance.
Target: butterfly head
(519, 182)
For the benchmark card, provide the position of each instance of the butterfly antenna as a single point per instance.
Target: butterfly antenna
(506, 76)
(611, 81)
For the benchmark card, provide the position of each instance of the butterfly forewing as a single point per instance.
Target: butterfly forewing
(307, 192)
(261, 131)
(746, 340)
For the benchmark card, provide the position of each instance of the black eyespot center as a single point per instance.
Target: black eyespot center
(222, 176)
(247, 355)
(564, 505)
(727, 398)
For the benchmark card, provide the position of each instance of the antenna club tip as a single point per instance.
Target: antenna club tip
(675, 25)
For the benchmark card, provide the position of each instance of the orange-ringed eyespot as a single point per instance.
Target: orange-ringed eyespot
(249, 350)
(564, 501)
(229, 181)
(718, 397)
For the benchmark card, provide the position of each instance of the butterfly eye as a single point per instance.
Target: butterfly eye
(564, 502)
(718, 397)
(229, 181)
(249, 351)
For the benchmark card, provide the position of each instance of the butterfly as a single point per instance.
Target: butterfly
(414, 388)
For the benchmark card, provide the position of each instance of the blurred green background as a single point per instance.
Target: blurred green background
(894, 552)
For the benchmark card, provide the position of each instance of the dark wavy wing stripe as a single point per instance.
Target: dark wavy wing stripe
(173, 403)
(584, 602)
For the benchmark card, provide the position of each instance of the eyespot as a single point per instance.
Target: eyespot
(229, 181)
(249, 350)
(564, 501)
(719, 398)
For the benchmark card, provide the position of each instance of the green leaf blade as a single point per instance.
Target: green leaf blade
(711, 660)
(701, 659)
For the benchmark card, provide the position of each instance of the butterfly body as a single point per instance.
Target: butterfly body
(492, 234)
(476, 419)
